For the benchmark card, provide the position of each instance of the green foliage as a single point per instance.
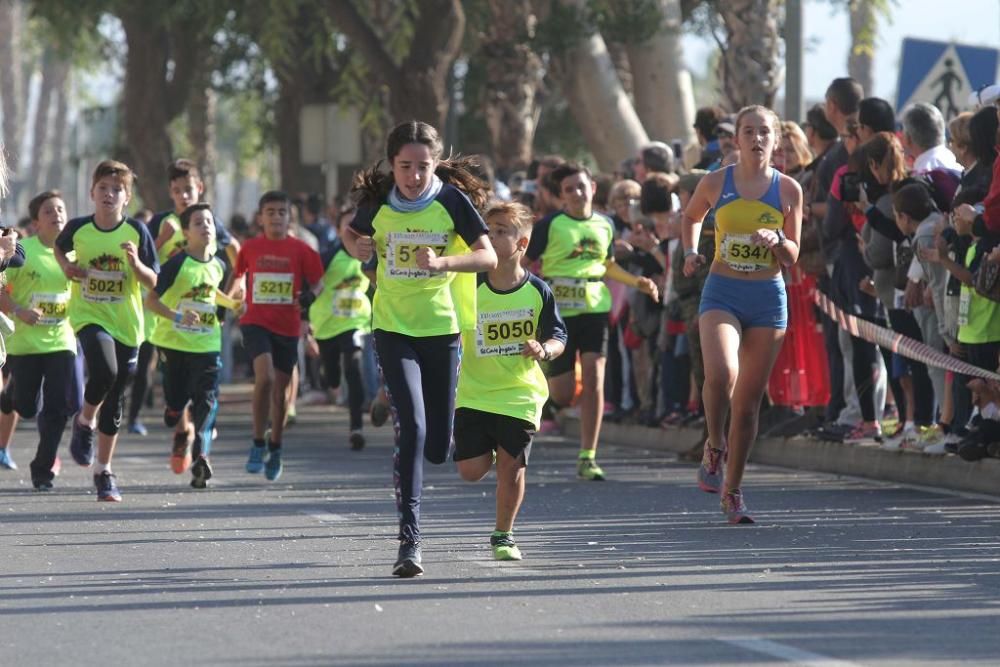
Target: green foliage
(627, 22)
(563, 29)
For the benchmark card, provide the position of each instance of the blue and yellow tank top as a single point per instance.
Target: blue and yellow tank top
(736, 220)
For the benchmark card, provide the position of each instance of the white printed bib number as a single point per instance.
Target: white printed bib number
(503, 333)
(51, 306)
(570, 293)
(742, 255)
(348, 302)
(207, 317)
(964, 301)
(401, 252)
(273, 288)
(104, 286)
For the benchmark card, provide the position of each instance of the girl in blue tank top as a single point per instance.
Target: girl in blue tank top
(743, 313)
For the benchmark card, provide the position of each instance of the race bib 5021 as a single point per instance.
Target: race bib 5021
(104, 286)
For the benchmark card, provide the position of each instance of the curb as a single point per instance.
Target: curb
(904, 467)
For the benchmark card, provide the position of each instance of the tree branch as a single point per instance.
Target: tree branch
(364, 39)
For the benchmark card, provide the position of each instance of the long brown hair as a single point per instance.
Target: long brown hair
(371, 186)
(885, 146)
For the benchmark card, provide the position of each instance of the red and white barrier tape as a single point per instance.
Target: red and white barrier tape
(898, 343)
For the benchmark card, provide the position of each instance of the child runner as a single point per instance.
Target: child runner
(758, 218)
(501, 387)
(115, 259)
(576, 247)
(428, 238)
(341, 319)
(186, 188)
(189, 337)
(45, 371)
(283, 275)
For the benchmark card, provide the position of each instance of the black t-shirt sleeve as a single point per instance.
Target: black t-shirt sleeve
(550, 322)
(539, 238)
(329, 253)
(17, 259)
(147, 246)
(168, 273)
(364, 219)
(222, 236)
(65, 239)
(155, 223)
(468, 223)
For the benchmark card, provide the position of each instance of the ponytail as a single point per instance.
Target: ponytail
(461, 173)
(371, 186)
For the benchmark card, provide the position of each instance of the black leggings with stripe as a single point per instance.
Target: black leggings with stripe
(421, 375)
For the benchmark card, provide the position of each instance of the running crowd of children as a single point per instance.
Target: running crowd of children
(547, 289)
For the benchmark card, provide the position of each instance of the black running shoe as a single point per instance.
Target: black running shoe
(107, 487)
(201, 472)
(42, 485)
(357, 441)
(408, 561)
(379, 412)
(81, 444)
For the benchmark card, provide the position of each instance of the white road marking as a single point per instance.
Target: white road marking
(512, 567)
(325, 517)
(787, 653)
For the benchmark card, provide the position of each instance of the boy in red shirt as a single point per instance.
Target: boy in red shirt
(283, 276)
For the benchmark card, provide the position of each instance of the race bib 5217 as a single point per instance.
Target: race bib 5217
(401, 252)
(273, 288)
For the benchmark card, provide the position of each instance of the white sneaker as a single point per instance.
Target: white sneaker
(937, 449)
(897, 442)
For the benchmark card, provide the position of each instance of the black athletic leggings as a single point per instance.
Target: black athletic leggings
(903, 322)
(53, 402)
(110, 366)
(421, 375)
(345, 347)
(143, 384)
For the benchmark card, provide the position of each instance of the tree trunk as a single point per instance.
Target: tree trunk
(418, 86)
(663, 96)
(201, 131)
(598, 102)
(864, 30)
(513, 76)
(60, 120)
(288, 125)
(40, 140)
(11, 85)
(151, 99)
(749, 68)
(146, 117)
(618, 53)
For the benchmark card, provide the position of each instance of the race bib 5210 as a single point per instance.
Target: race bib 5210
(570, 293)
(348, 302)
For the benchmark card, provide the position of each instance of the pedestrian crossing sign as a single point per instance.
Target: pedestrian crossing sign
(944, 74)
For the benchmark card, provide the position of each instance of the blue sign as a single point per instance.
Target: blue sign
(944, 74)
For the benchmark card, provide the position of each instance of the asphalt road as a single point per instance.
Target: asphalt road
(638, 570)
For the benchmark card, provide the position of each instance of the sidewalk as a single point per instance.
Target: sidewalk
(905, 467)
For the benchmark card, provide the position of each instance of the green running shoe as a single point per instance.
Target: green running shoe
(589, 470)
(504, 547)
